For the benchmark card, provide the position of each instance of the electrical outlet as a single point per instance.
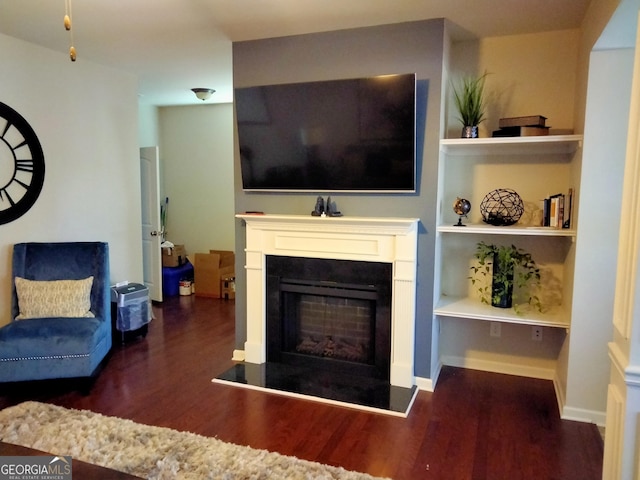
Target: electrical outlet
(495, 329)
(536, 334)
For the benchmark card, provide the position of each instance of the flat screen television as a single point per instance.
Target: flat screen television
(354, 135)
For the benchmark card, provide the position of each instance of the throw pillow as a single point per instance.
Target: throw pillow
(54, 298)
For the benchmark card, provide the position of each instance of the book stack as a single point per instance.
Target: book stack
(557, 210)
(532, 125)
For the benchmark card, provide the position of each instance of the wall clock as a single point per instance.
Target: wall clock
(21, 165)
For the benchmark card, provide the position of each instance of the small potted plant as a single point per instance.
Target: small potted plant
(506, 266)
(469, 100)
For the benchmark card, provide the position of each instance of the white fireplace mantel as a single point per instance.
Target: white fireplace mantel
(371, 239)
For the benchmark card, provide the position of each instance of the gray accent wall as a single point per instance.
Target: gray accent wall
(414, 47)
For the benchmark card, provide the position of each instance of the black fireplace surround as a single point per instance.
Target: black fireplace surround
(329, 315)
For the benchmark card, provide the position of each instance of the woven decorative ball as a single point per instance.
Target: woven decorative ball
(501, 207)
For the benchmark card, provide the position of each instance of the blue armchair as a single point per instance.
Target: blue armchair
(57, 346)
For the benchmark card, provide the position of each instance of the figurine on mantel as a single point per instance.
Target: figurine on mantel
(318, 211)
(329, 211)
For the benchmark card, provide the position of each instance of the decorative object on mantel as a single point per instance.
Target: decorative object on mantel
(528, 126)
(469, 100)
(331, 209)
(501, 207)
(318, 210)
(461, 207)
(327, 209)
(507, 266)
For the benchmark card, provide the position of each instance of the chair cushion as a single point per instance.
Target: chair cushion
(49, 338)
(54, 298)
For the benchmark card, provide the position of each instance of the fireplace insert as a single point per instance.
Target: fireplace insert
(329, 314)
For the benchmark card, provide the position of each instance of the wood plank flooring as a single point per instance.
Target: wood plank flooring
(477, 425)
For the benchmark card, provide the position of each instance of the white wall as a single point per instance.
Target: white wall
(603, 158)
(85, 117)
(196, 156)
(148, 125)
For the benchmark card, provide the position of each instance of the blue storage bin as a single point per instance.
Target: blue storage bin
(171, 277)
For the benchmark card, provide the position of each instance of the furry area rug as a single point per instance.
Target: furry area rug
(148, 451)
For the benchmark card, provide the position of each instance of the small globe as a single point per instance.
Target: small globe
(461, 206)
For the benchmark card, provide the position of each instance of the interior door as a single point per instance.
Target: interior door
(151, 228)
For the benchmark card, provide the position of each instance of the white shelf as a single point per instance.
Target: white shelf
(474, 309)
(546, 144)
(485, 229)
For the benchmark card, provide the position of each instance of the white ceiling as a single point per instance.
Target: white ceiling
(174, 45)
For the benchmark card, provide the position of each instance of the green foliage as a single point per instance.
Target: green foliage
(515, 268)
(469, 100)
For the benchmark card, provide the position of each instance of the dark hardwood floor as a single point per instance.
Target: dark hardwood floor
(476, 425)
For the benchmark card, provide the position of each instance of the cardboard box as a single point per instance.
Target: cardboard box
(174, 257)
(209, 269)
(228, 288)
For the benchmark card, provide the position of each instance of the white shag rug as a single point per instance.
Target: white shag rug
(148, 451)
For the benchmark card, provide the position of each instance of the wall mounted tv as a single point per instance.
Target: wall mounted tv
(355, 135)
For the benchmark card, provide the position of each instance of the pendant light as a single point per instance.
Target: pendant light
(67, 26)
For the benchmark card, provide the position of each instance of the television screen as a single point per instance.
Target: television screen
(355, 135)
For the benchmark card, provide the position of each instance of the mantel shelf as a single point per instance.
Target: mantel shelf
(386, 225)
(474, 309)
(485, 229)
(547, 144)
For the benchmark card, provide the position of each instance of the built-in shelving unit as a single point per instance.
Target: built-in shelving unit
(485, 229)
(542, 145)
(535, 167)
(471, 308)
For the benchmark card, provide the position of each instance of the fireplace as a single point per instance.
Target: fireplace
(364, 239)
(329, 314)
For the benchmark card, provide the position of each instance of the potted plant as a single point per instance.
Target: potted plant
(469, 100)
(507, 266)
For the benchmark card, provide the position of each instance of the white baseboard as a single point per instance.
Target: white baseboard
(498, 367)
(425, 384)
(238, 356)
(585, 416)
(576, 414)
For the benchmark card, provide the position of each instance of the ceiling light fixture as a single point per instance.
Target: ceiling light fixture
(203, 93)
(67, 27)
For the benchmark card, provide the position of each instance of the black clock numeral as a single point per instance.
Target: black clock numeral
(24, 165)
(4, 193)
(6, 129)
(24, 185)
(22, 143)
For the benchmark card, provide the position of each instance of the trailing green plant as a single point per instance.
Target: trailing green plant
(469, 100)
(515, 268)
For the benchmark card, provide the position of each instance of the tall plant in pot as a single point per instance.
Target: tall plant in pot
(469, 100)
(506, 266)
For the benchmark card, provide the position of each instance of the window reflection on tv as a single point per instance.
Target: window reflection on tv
(355, 135)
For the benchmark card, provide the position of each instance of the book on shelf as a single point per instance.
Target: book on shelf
(529, 131)
(525, 121)
(557, 210)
